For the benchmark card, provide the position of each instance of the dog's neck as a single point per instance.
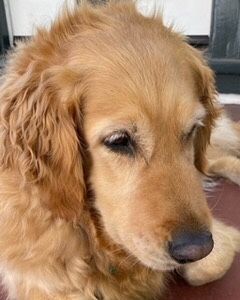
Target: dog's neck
(115, 267)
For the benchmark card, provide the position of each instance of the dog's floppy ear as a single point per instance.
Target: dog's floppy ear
(40, 127)
(205, 84)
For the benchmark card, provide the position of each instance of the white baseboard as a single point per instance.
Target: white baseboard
(229, 98)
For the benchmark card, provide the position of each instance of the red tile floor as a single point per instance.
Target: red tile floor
(225, 203)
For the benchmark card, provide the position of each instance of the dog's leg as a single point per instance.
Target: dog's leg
(224, 153)
(215, 265)
(226, 136)
(226, 166)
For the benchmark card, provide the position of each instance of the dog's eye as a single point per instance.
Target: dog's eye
(120, 142)
(192, 131)
(187, 136)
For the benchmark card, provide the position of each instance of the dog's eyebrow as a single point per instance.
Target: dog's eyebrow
(115, 127)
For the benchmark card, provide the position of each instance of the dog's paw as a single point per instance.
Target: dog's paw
(217, 263)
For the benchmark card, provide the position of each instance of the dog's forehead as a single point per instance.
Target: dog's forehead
(156, 92)
(147, 76)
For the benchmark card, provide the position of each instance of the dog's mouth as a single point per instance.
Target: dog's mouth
(149, 254)
(160, 263)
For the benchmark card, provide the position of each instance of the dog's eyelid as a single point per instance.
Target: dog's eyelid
(190, 132)
(199, 122)
(116, 135)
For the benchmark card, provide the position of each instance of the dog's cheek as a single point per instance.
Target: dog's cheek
(189, 153)
(114, 192)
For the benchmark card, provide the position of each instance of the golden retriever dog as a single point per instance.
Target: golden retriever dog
(105, 124)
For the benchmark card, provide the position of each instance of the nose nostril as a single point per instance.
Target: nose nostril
(190, 246)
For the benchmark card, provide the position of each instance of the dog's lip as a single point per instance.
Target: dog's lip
(163, 266)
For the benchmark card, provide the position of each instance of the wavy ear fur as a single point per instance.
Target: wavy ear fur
(40, 124)
(205, 83)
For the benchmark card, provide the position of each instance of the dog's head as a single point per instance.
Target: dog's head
(120, 101)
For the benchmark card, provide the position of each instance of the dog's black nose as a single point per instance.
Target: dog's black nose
(190, 246)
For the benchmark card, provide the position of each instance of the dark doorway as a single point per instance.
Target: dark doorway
(4, 36)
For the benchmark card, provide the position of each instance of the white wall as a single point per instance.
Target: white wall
(189, 16)
(27, 14)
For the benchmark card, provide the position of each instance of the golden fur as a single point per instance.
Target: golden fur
(78, 221)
